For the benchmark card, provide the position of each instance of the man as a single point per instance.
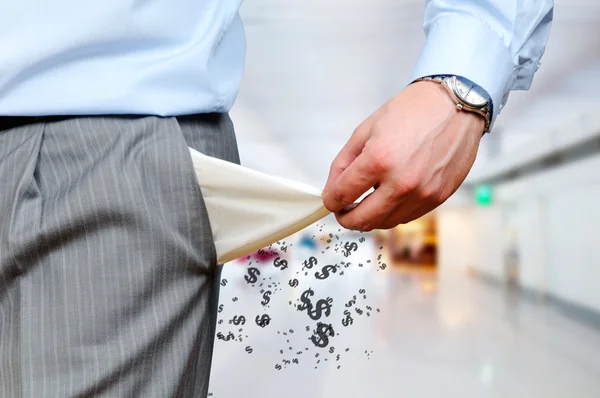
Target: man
(107, 268)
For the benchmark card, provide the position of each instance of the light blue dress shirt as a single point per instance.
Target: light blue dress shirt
(497, 44)
(173, 57)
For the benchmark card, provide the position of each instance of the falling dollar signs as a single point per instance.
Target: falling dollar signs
(239, 320)
(322, 334)
(326, 271)
(230, 336)
(311, 262)
(278, 367)
(279, 263)
(362, 239)
(224, 282)
(331, 350)
(358, 311)
(348, 320)
(263, 321)
(305, 298)
(350, 303)
(349, 248)
(294, 282)
(252, 275)
(362, 291)
(323, 306)
(221, 308)
(266, 298)
(249, 350)
(383, 266)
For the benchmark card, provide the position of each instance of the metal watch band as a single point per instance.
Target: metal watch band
(460, 105)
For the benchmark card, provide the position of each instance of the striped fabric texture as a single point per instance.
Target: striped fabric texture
(108, 275)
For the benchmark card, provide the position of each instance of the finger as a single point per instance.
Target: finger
(354, 181)
(371, 212)
(349, 152)
(406, 215)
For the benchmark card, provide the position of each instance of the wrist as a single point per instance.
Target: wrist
(466, 95)
(441, 101)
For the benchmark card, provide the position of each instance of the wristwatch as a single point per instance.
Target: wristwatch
(466, 95)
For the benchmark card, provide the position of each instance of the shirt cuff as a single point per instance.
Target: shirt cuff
(462, 45)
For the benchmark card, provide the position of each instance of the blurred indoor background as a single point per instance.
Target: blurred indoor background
(492, 295)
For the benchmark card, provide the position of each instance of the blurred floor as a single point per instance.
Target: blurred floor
(438, 334)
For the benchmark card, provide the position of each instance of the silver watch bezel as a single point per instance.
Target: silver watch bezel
(454, 82)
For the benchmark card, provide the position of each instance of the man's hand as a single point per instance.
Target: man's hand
(415, 151)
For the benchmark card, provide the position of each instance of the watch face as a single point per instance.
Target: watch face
(471, 93)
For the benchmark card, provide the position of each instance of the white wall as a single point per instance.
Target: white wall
(456, 234)
(553, 219)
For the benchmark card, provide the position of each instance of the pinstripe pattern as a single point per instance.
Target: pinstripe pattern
(108, 282)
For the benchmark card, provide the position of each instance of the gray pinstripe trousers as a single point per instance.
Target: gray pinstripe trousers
(108, 275)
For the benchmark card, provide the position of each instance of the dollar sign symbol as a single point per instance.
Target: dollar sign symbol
(234, 299)
(266, 298)
(362, 291)
(383, 266)
(224, 282)
(349, 248)
(249, 350)
(294, 282)
(331, 350)
(220, 307)
(362, 239)
(311, 262)
(278, 367)
(241, 320)
(358, 311)
(252, 275)
(263, 321)
(320, 338)
(306, 300)
(338, 357)
(279, 263)
(326, 271)
(323, 306)
(348, 320)
(220, 336)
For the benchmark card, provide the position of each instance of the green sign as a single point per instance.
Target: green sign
(483, 194)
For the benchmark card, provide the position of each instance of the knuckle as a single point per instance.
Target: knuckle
(381, 162)
(405, 184)
(410, 183)
(336, 168)
(429, 194)
(363, 225)
(341, 197)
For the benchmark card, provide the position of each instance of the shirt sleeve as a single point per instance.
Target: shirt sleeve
(497, 44)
